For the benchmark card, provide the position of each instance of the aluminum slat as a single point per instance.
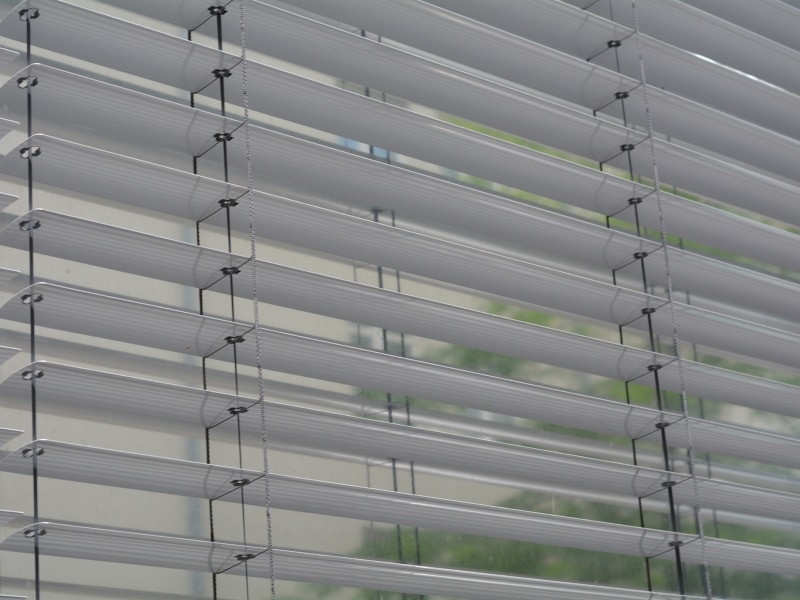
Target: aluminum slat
(159, 474)
(100, 39)
(59, 163)
(62, 386)
(181, 553)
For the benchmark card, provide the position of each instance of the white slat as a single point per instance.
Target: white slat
(132, 252)
(159, 474)
(6, 435)
(339, 234)
(99, 39)
(696, 31)
(181, 553)
(305, 428)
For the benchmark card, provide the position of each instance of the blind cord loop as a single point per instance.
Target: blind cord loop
(671, 302)
(256, 322)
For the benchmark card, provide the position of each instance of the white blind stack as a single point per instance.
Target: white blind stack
(467, 311)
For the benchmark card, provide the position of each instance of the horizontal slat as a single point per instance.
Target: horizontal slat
(9, 276)
(735, 185)
(273, 90)
(774, 19)
(189, 14)
(365, 304)
(351, 178)
(700, 32)
(459, 93)
(74, 31)
(161, 405)
(7, 353)
(712, 226)
(142, 254)
(6, 435)
(89, 105)
(358, 117)
(6, 126)
(146, 255)
(6, 516)
(92, 104)
(413, 24)
(7, 56)
(181, 553)
(161, 189)
(6, 200)
(432, 381)
(275, 151)
(307, 428)
(138, 323)
(717, 179)
(159, 474)
(702, 380)
(60, 162)
(358, 59)
(437, 31)
(93, 243)
(581, 34)
(75, 387)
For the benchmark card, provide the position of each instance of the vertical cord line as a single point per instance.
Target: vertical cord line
(256, 328)
(204, 370)
(229, 234)
(27, 15)
(634, 449)
(417, 548)
(640, 256)
(671, 301)
(389, 403)
(635, 457)
(241, 499)
(722, 588)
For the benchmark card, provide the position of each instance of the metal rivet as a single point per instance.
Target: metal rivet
(676, 544)
(640, 255)
(653, 368)
(234, 339)
(223, 137)
(667, 484)
(217, 10)
(627, 147)
(648, 311)
(30, 533)
(28, 225)
(633, 201)
(620, 95)
(239, 482)
(27, 14)
(220, 73)
(245, 556)
(614, 43)
(30, 152)
(237, 410)
(227, 202)
(30, 81)
(230, 270)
